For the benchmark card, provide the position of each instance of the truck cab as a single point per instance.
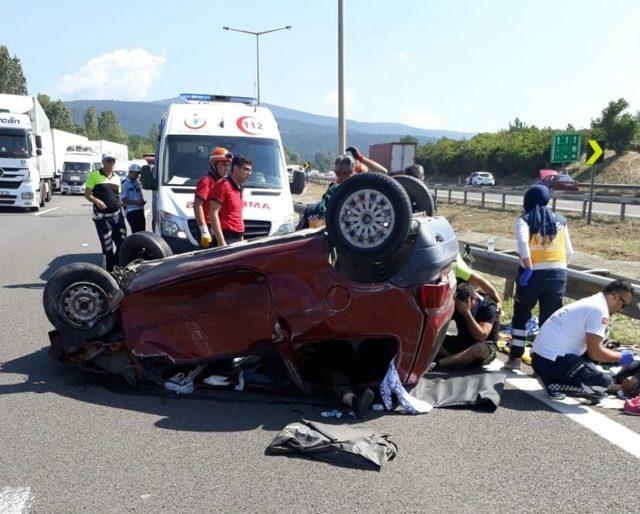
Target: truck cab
(26, 153)
(188, 132)
(75, 170)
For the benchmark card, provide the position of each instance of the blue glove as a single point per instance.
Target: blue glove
(626, 358)
(525, 276)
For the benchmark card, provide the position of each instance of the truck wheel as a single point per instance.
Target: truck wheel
(368, 217)
(79, 298)
(421, 198)
(143, 245)
(47, 194)
(42, 194)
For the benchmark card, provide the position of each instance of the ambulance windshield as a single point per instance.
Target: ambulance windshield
(186, 159)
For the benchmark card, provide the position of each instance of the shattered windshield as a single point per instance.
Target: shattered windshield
(186, 159)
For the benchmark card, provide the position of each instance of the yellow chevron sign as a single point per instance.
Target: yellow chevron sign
(595, 154)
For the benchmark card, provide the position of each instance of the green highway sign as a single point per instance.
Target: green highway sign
(565, 148)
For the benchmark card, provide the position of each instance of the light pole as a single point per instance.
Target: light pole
(257, 35)
(342, 126)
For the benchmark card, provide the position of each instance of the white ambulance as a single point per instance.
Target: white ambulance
(188, 132)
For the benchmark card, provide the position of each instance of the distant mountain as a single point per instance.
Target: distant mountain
(302, 132)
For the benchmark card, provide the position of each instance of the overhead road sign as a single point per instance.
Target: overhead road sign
(595, 152)
(565, 147)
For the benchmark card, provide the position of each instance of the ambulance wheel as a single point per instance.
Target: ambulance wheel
(421, 198)
(368, 217)
(145, 246)
(80, 298)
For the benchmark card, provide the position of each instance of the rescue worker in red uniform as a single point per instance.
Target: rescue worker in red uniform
(226, 216)
(218, 167)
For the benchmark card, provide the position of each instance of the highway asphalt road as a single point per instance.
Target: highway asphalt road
(632, 211)
(73, 443)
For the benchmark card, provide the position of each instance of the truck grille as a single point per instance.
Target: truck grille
(10, 184)
(252, 229)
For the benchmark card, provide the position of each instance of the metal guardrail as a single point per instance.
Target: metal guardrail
(321, 181)
(632, 188)
(622, 200)
(579, 283)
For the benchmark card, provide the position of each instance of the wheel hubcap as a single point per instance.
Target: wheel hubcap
(82, 303)
(366, 219)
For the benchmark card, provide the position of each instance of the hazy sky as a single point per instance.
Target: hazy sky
(459, 65)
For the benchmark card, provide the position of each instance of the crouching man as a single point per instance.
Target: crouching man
(572, 337)
(476, 318)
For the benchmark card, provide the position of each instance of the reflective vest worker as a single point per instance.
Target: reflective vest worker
(218, 168)
(132, 199)
(545, 249)
(103, 191)
(226, 215)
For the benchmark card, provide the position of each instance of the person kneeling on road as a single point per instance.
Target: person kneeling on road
(572, 337)
(226, 216)
(476, 318)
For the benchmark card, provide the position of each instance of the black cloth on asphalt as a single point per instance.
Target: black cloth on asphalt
(342, 445)
(480, 389)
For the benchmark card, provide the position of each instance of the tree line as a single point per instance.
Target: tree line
(524, 150)
(93, 126)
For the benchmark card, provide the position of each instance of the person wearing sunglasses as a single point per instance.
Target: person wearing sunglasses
(103, 190)
(572, 338)
(226, 213)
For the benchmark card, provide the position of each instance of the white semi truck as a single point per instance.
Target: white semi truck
(26, 153)
(65, 144)
(119, 151)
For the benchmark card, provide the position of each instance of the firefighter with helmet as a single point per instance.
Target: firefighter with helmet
(219, 161)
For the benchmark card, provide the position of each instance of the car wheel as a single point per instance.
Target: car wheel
(79, 298)
(146, 246)
(419, 195)
(368, 217)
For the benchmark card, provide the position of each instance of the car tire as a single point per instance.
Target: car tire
(146, 246)
(419, 195)
(79, 298)
(352, 212)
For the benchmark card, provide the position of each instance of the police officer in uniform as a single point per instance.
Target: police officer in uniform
(103, 191)
(132, 199)
(545, 249)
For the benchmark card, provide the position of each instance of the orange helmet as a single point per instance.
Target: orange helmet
(220, 154)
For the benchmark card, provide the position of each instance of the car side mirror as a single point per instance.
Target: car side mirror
(38, 151)
(298, 182)
(147, 178)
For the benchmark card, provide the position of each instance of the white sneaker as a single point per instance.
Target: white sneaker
(513, 364)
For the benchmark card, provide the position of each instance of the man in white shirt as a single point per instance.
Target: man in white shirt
(572, 338)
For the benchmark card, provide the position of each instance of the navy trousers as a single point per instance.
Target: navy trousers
(545, 286)
(112, 232)
(571, 370)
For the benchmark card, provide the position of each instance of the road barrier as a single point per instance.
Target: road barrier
(622, 200)
(580, 283)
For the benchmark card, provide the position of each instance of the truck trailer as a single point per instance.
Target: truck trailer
(27, 169)
(394, 156)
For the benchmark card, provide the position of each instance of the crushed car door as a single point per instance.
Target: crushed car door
(214, 316)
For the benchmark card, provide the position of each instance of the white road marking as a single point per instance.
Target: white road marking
(598, 423)
(15, 500)
(44, 212)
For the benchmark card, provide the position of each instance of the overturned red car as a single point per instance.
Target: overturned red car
(377, 272)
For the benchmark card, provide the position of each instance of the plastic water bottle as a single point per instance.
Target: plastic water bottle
(491, 244)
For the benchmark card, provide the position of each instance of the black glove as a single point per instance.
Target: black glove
(355, 152)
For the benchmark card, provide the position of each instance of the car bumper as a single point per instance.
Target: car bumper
(179, 245)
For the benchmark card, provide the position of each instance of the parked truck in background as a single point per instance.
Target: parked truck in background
(64, 143)
(119, 151)
(79, 161)
(26, 153)
(394, 156)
